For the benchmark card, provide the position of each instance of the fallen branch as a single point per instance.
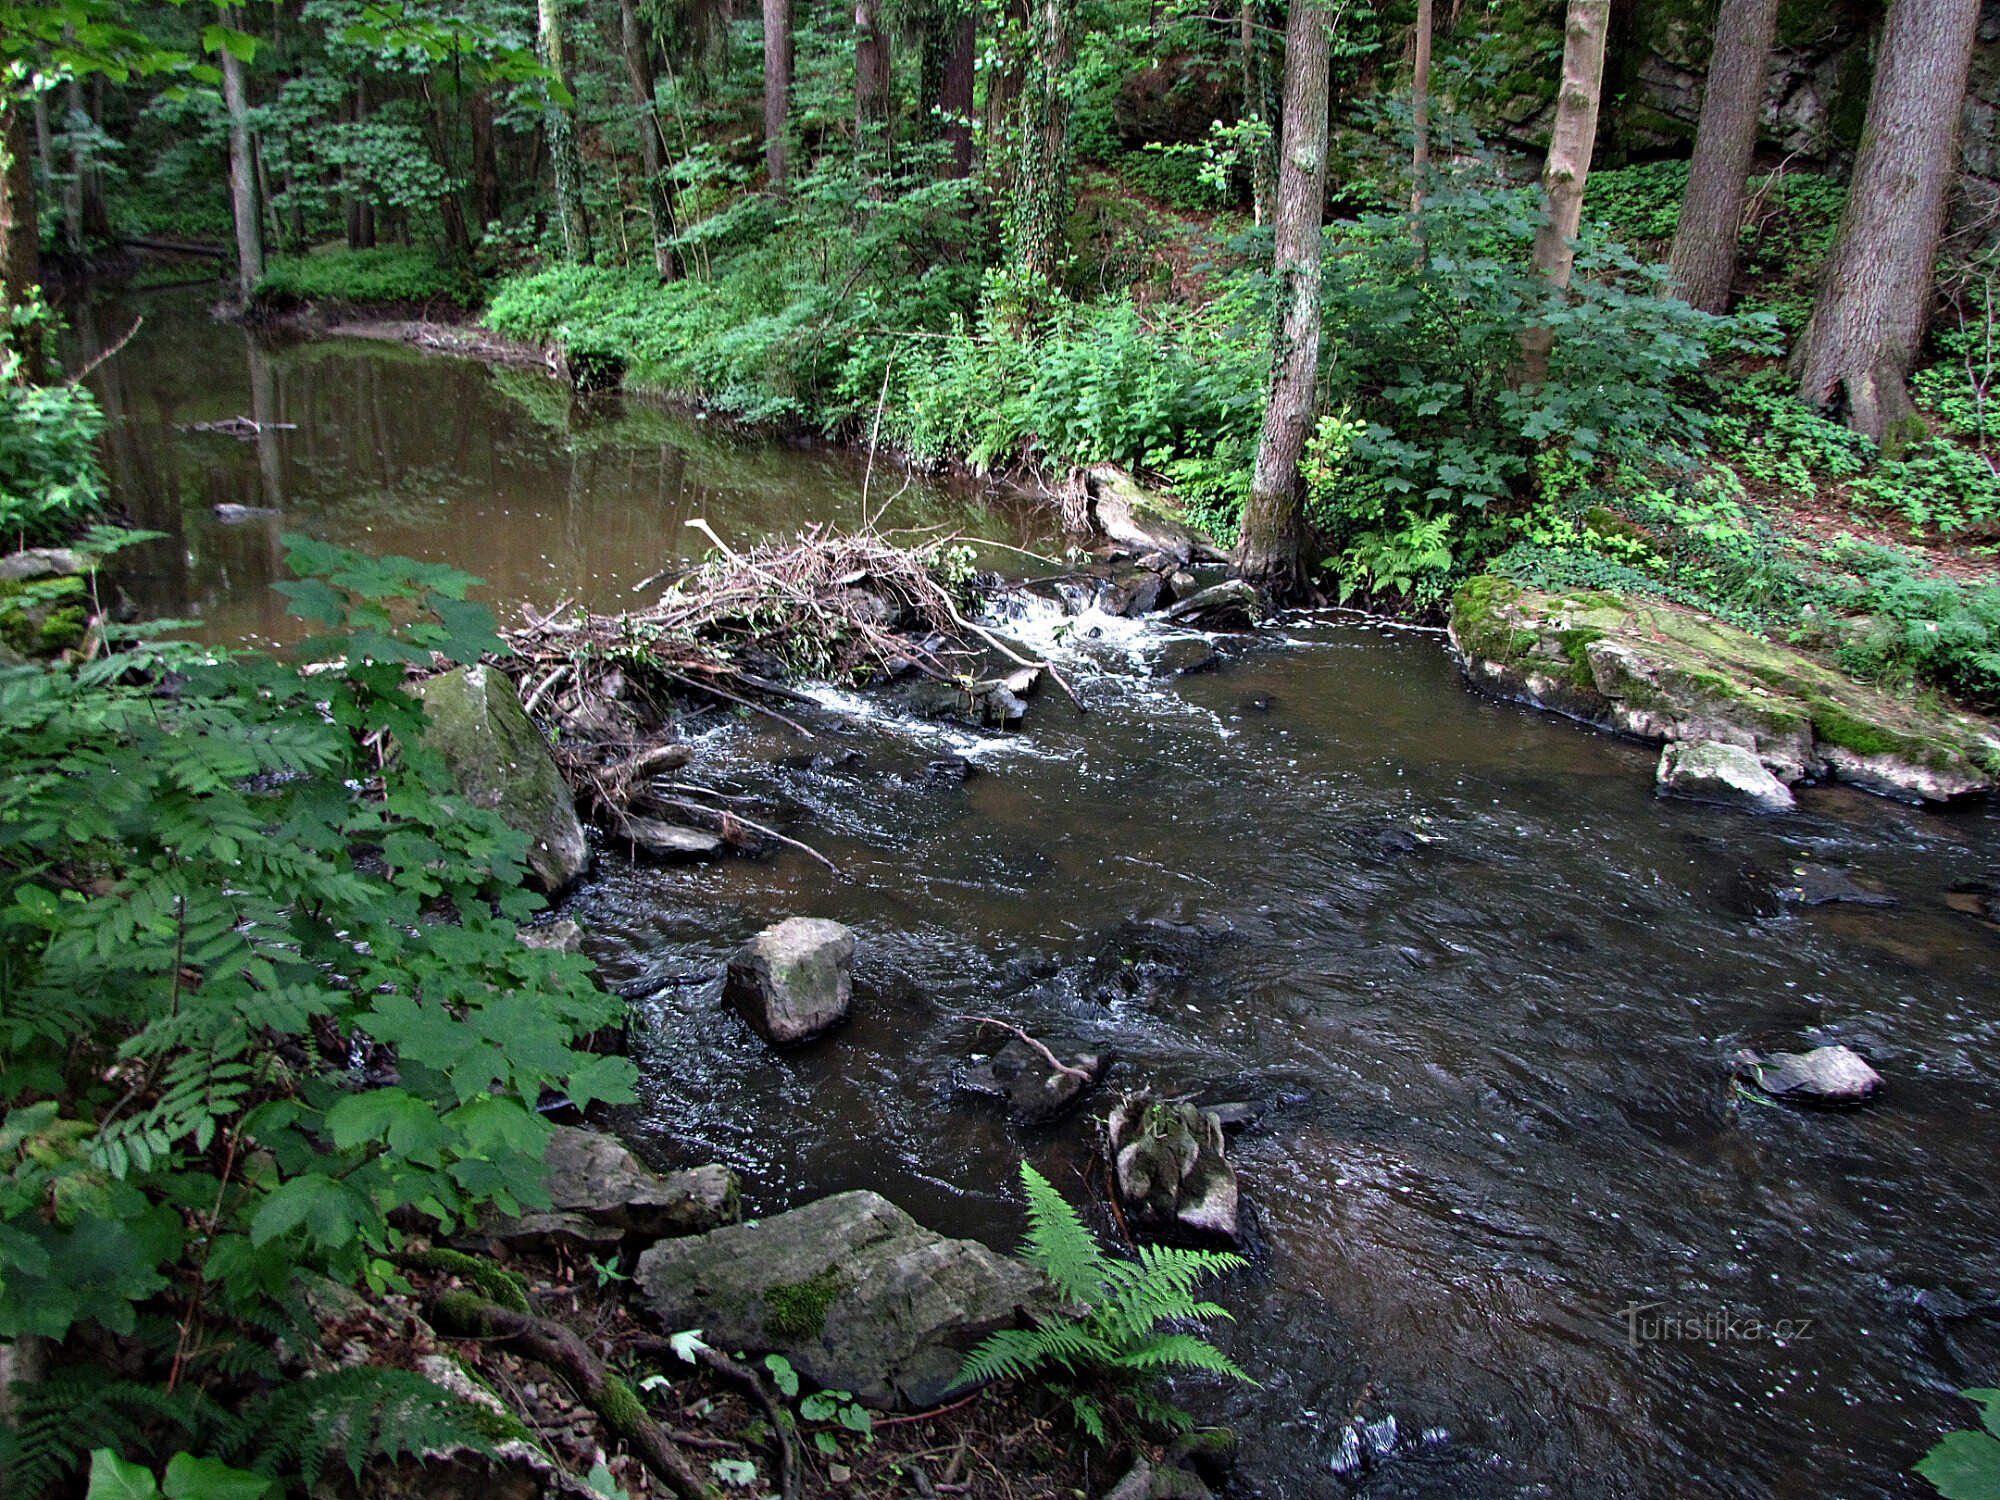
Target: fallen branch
(752, 1385)
(1047, 1056)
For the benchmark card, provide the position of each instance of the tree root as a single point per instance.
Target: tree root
(784, 1438)
(468, 1315)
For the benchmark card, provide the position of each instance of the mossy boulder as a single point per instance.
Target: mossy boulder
(850, 1289)
(1663, 674)
(499, 760)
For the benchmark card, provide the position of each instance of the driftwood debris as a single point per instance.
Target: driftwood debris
(240, 427)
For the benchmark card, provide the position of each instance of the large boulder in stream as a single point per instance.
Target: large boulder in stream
(1662, 674)
(1135, 518)
(852, 1290)
(1824, 1077)
(795, 980)
(1172, 1175)
(499, 760)
(1703, 771)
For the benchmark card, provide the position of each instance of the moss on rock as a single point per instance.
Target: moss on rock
(798, 1310)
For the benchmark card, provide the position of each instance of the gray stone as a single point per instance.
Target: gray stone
(793, 981)
(1825, 1076)
(1134, 596)
(667, 842)
(1706, 771)
(500, 761)
(1185, 657)
(1035, 1092)
(601, 1195)
(42, 562)
(562, 936)
(850, 1289)
(1171, 1170)
(1230, 605)
(1140, 522)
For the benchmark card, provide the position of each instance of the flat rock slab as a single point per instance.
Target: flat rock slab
(850, 1289)
(793, 981)
(499, 760)
(1660, 673)
(1828, 1077)
(1705, 771)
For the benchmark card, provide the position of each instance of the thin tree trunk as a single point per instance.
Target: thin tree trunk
(871, 77)
(76, 121)
(242, 170)
(777, 89)
(638, 48)
(1269, 539)
(360, 211)
(1875, 293)
(566, 161)
(1038, 221)
(1254, 61)
(485, 161)
(1568, 167)
(20, 236)
(1003, 93)
(1420, 117)
(956, 97)
(1704, 253)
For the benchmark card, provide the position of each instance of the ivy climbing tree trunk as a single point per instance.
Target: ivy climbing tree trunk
(1875, 293)
(20, 232)
(560, 127)
(1038, 218)
(636, 42)
(1270, 537)
(242, 169)
(777, 88)
(1704, 253)
(871, 79)
(1568, 167)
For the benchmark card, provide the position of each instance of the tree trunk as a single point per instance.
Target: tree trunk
(1704, 254)
(1875, 293)
(777, 88)
(76, 122)
(955, 97)
(560, 126)
(20, 235)
(638, 48)
(485, 161)
(1038, 221)
(1420, 116)
(1269, 538)
(1254, 61)
(871, 77)
(1568, 165)
(242, 170)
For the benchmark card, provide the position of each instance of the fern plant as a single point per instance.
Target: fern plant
(1124, 1337)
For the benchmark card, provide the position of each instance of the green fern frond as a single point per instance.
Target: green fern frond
(361, 1413)
(1180, 1351)
(59, 1419)
(1060, 1246)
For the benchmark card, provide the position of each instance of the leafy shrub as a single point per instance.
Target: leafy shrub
(1639, 205)
(1936, 486)
(217, 908)
(1916, 628)
(387, 275)
(1119, 1340)
(49, 479)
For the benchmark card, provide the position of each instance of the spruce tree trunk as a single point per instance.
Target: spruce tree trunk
(20, 235)
(1875, 293)
(636, 41)
(1568, 165)
(560, 127)
(777, 88)
(242, 170)
(1038, 221)
(1704, 254)
(1420, 115)
(1270, 537)
(871, 78)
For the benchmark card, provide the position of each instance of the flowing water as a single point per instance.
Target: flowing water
(1512, 1232)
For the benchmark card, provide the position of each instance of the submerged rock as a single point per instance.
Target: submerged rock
(1170, 1168)
(1134, 596)
(1704, 771)
(852, 1290)
(667, 841)
(1826, 1076)
(1231, 605)
(1661, 673)
(794, 981)
(1185, 657)
(1035, 1092)
(42, 562)
(500, 761)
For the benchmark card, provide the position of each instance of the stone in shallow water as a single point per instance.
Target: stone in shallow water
(793, 981)
(1035, 1092)
(1708, 771)
(1829, 1076)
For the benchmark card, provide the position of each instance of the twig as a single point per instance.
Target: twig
(541, 691)
(78, 378)
(1049, 1057)
(746, 1380)
(925, 1416)
(755, 827)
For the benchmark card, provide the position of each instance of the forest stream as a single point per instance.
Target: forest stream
(1513, 1233)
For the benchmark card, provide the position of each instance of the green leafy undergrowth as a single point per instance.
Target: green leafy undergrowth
(1965, 1465)
(1124, 1340)
(265, 1009)
(50, 482)
(390, 274)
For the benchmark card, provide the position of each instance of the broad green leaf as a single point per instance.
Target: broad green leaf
(112, 1478)
(1965, 1466)
(191, 1478)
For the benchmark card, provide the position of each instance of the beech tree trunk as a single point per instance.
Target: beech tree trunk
(1704, 253)
(1420, 113)
(1568, 167)
(242, 170)
(777, 88)
(871, 76)
(557, 123)
(1875, 293)
(20, 234)
(637, 43)
(1270, 536)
